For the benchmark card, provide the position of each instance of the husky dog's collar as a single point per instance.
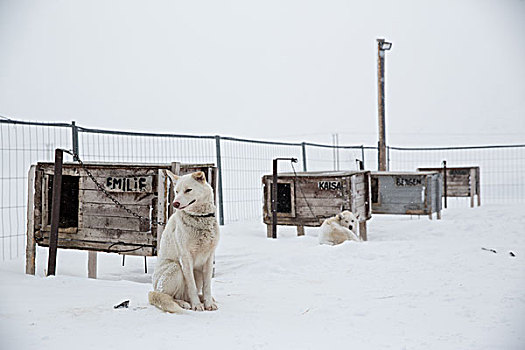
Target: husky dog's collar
(208, 215)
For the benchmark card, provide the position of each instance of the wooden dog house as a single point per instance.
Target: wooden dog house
(460, 182)
(90, 220)
(413, 193)
(308, 198)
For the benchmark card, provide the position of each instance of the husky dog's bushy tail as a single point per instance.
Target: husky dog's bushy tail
(164, 302)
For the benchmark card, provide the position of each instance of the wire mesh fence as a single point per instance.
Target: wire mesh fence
(502, 167)
(244, 162)
(21, 145)
(241, 164)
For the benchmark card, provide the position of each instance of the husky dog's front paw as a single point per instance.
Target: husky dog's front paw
(210, 305)
(197, 307)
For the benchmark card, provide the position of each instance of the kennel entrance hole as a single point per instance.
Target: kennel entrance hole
(284, 198)
(68, 201)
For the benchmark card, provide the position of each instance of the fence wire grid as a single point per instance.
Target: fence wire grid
(241, 163)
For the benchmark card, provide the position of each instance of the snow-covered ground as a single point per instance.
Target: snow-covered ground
(416, 284)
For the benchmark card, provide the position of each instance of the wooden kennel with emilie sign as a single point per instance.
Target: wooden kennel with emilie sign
(308, 198)
(412, 193)
(90, 219)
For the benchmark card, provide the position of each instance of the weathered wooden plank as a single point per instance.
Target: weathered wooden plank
(478, 186)
(472, 186)
(361, 187)
(360, 201)
(37, 205)
(361, 211)
(67, 171)
(458, 192)
(318, 202)
(396, 208)
(295, 222)
(301, 193)
(92, 264)
(103, 172)
(162, 212)
(102, 247)
(363, 231)
(359, 178)
(45, 201)
(106, 235)
(124, 198)
(115, 222)
(304, 212)
(106, 209)
(463, 182)
(30, 233)
(116, 235)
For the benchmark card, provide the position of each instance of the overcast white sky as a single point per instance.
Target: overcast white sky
(275, 69)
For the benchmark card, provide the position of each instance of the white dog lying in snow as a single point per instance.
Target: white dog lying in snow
(339, 228)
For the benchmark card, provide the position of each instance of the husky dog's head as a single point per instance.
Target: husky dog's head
(348, 219)
(191, 191)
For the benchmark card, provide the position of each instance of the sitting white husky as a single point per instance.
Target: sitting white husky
(185, 258)
(339, 228)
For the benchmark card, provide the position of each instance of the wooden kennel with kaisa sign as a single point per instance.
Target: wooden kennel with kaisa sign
(308, 198)
(90, 220)
(412, 193)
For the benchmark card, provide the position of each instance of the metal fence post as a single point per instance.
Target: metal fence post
(219, 184)
(55, 213)
(303, 147)
(445, 182)
(363, 156)
(74, 135)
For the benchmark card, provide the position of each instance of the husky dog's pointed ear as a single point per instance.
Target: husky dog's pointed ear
(357, 216)
(172, 176)
(340, 216)
(199, 176)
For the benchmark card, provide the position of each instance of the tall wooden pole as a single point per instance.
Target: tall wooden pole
(381, 104)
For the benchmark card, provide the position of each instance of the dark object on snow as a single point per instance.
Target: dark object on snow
(512, 254)
(122, 305)
(489, 250)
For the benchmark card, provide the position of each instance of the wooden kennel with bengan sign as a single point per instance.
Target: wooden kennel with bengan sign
(460, 182)
(90, 220)
(412, 193)
(308, 198)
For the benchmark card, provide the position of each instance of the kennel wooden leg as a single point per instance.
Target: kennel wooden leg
(362, 231)
(269, 231)
(430, 215)
(30, 234)
(92, 264)
(30, 249)
(438, 215)
(300, 230)
(478, 188)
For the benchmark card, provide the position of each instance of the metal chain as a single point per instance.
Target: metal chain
(110, 196)
(304, 197)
